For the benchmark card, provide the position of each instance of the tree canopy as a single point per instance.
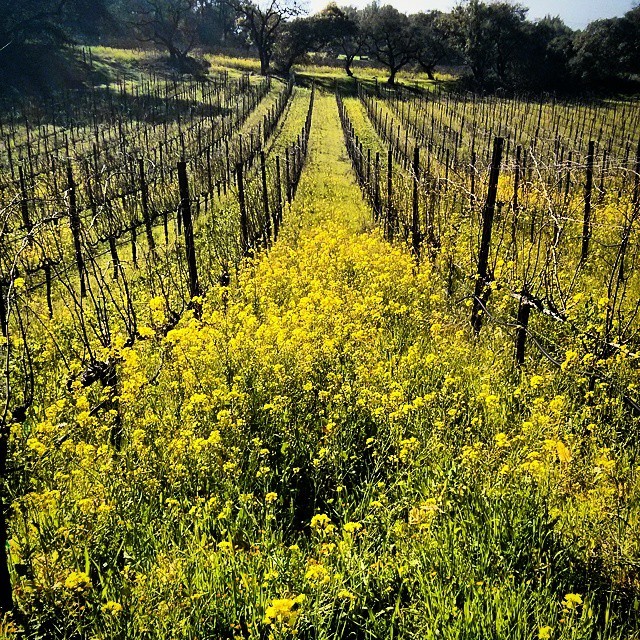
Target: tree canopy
(493, 42)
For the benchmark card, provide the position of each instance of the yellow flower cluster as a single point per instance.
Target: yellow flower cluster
(77, 581)
(284, 611)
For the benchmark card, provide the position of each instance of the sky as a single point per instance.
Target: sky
(576, 13)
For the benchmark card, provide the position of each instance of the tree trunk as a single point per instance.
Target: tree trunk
(264, 63)
(176, 58)
(478, 74)
(347, 66)
(392, 76)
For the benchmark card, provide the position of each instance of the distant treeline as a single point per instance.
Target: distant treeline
(495, 42)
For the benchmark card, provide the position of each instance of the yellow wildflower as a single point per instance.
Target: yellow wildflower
(283, 611)
(77, 581)
(352, 527)
(572, 601)
(321, 522)
(536, 381)
(317, 573)
(114, 608)
(502, 441)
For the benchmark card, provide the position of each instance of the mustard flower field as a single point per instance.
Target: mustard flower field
(307, 407)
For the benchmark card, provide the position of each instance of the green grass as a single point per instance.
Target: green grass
(233, 65)
(326, 74)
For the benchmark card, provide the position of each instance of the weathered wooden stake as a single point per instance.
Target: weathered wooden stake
(415, 217)
(516, 179)
(134, 243)
(74, 223)
(474, 158)
(481, 292)
(288, 175)
(390, 221)
(145, 209)
(376, 194)
(524, 311)
(265, 197)
(277, 214)
(48, 282)
(190, 248)
(114, 256)
(244, 222)
(24, 204)
(586, 223)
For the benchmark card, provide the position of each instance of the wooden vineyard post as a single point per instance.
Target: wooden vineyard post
(265, 197)
(113, 250)
(524, 311)
(586, 223)
(46, 267)
(146, 217)
(635, 214)
(481, 292)
(24, 204)
(376, 193)
(134, 243)
(185, 211)
(298, 157)
(516, 179)
(179, 215)
(277, 214)
(474, 158)
(389, 194)
(244, 223)
(288, 175)
(415, 214)
(74, 223)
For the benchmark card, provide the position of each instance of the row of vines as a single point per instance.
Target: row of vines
(529, 211)
(119, 219)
